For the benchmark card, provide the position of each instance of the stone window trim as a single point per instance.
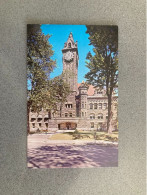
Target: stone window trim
(82, 105)
(39, 119)
(66, 114)
(46, 119)
(69, 45)
(33, 119)
(91, 106)
(92, 125)
(95, 105)
(46, 124)
(105, 106)
(68, 105)
(100, 116)
(100, 106)
(92, 116)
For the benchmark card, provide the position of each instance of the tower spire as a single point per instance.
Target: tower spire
(70, 42)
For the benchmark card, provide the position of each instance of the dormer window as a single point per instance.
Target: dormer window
(99, 92)
(69, 45)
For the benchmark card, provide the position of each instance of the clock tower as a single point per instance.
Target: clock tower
(70, 62)
(70, 71)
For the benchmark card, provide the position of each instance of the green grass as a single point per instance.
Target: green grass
(85, 135)
(61, 136)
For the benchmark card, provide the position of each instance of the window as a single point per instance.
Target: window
(85, 113)
(68, 105)
(106, 117)
(46, 119)
(91, 106)
(39, 119)
(39, 124)
(105, 105)
(82, 113)
(33, 125)
(95, 106)
(69, 45)
(115, 106)
(66, 114)
(92, 116)
(46, 124)
(100, 105)
(85, 105)
(70, 114)
(92, 125)
(82, 105)
(99, 92)
(33, 119)
(100, 116)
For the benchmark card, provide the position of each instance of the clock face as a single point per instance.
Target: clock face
(68, 56)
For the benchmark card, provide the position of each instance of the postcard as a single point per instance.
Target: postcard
(72, 96)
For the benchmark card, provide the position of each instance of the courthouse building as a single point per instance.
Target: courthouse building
(86, 106)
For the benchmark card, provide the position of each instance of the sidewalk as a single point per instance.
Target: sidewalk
(45, 139)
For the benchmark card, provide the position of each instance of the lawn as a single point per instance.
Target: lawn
(85, 135)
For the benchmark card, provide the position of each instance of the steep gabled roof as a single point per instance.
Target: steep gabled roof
(90, 89)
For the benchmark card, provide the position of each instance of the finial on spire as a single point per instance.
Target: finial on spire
(70, 35)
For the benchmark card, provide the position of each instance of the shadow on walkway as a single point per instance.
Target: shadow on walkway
(72, 156)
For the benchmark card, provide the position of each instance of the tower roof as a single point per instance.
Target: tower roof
(70, 44)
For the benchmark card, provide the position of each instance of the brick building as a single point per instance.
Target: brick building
(86, 106)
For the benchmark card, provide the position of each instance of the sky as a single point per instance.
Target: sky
(60, 34)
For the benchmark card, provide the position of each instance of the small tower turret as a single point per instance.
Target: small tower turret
(83, 89)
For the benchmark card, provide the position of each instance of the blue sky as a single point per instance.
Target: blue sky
(60, 35)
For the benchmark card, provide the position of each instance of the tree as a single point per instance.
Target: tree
(55, 94)
(42, 92)
(103, 65)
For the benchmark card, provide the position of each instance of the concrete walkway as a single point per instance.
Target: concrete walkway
(45, 153)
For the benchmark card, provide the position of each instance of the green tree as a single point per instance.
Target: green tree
(42, 92)
(103, 65)
(55, 95)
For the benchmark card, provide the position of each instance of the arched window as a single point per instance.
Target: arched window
(33, 118)
(91, 106)
(100, 116)
(39, 118)
(69, 45)
(92, 116)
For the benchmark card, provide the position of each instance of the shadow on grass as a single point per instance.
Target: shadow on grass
(54, 156)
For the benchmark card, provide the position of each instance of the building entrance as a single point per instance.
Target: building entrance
(67, 126)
